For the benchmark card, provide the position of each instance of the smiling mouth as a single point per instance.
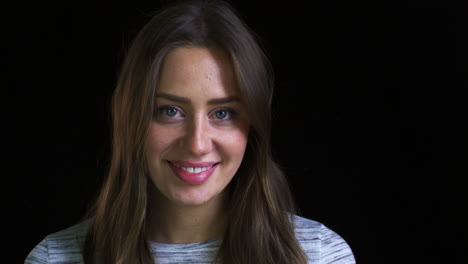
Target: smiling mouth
(193, 173)
(195, 170)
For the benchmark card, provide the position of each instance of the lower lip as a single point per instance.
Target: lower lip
(192, 178)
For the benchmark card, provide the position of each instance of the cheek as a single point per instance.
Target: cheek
(235, 144)
(159, 140)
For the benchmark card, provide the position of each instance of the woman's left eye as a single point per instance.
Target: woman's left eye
(223, 114)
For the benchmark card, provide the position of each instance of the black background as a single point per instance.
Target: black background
(369, 119)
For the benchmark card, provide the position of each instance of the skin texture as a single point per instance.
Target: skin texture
(194, 130)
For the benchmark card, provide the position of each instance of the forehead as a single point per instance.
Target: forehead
(190, 71)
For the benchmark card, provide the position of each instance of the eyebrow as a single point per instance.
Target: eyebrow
(214, 101)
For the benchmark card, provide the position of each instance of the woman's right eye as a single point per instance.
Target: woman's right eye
(168, 112)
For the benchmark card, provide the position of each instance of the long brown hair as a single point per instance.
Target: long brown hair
(260, 229)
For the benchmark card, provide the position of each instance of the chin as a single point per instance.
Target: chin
(195, 197)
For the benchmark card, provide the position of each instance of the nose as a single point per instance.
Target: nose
(198, 139)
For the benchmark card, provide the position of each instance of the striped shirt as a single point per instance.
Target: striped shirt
(320, 244)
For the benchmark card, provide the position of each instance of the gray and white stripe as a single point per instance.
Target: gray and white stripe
(321, 245)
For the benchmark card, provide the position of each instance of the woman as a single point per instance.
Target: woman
(192, 179)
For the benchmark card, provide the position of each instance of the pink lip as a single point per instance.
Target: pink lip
(192, 178)
(194, 164)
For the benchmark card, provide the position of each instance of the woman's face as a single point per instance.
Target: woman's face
(198, 135)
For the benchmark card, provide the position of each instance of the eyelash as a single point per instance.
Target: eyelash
(161, 113)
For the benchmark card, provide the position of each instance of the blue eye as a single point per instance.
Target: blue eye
(222, 114)
(170, 111)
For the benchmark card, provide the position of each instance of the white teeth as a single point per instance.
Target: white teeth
(192, 169)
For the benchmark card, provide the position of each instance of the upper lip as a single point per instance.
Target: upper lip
(193, 164)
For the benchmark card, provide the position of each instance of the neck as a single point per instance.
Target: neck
(181, 224)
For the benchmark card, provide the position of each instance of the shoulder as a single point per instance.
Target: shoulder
(321, 244)
(60, 247)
